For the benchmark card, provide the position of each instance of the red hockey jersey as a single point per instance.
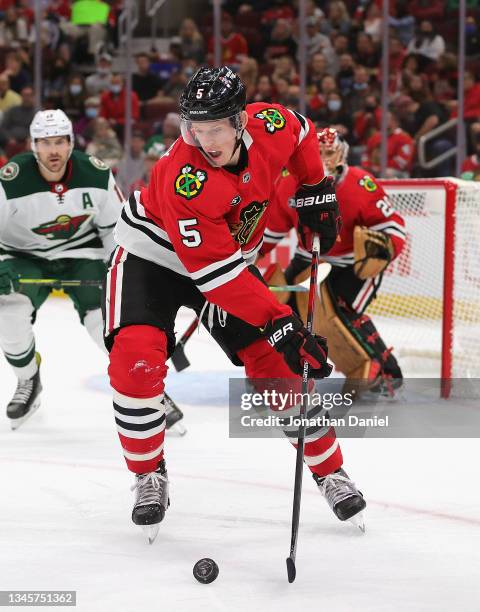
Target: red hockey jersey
(361, 200)
(208, 223)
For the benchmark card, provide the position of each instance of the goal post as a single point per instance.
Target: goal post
(428, 306)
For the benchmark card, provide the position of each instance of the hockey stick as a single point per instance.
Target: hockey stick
(180, 360)
(58, 283)
(297, 491)
(178, 357)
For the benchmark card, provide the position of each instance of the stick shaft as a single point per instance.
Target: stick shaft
(58, 282)
(297, 490)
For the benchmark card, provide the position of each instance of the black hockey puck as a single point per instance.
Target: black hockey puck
(205, 571)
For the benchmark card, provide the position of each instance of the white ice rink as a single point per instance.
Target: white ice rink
(65, 504)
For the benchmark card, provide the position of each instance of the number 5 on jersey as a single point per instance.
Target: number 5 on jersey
(191, 237)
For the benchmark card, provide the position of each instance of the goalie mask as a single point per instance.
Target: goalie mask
(333, 151)
(48, 124)
(211, 108)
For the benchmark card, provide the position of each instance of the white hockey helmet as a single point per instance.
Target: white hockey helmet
(50, 123)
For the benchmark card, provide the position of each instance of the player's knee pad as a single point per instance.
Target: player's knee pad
(137, 361)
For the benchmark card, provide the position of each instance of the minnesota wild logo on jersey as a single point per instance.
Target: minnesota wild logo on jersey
(274, 120)
(189, 183)
(61, 228)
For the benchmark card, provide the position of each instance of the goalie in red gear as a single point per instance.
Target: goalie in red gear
(190, 239)
(362, 202)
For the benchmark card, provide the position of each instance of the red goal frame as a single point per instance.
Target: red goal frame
(450, 189)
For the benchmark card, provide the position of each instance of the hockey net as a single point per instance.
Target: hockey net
(428, 306)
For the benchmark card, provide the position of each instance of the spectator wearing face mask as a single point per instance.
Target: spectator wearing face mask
(112, 102)
(74, 98)
(99, 81)
(334, 115)
(84, 127)
(361, 89)
(426, 44)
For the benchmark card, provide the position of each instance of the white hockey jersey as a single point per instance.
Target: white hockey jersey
(70, 219)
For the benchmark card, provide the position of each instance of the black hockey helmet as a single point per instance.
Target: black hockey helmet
(212, 93)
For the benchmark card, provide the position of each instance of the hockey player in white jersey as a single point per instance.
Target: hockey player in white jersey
(58, 208)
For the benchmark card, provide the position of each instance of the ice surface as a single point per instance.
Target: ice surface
(65, 504)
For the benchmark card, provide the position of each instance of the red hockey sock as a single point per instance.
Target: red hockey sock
(137, 371)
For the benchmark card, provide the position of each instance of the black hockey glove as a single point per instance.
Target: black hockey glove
(288, 336)
(8, 278)
(318, 212)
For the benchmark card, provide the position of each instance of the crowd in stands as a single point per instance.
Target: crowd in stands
(82, 74)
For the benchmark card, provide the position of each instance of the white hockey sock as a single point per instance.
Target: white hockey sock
(16, 334)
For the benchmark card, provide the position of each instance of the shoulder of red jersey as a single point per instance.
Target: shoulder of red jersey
(362, 181)
(184, 175)
(274, 119)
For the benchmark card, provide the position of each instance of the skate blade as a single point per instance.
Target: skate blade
(358, 520)
(15, 423)
(151, 531)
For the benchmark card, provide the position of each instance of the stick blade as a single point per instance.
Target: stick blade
(291, 570)
(179, 359)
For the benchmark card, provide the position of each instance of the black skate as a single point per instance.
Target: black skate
(343, 497)
(26, 399)
(151, 500)
(173, 416)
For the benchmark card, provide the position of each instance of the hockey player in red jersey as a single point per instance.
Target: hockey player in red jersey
(190, 239)
(362, 202)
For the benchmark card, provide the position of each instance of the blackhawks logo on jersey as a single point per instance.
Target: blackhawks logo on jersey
(249, 218)
(189, 183)
(273, 118)
(368, 183)
(62, 228)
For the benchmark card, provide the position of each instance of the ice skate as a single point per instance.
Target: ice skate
(26, 399)
(151, 500)
(343, 497)
(173, 416)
